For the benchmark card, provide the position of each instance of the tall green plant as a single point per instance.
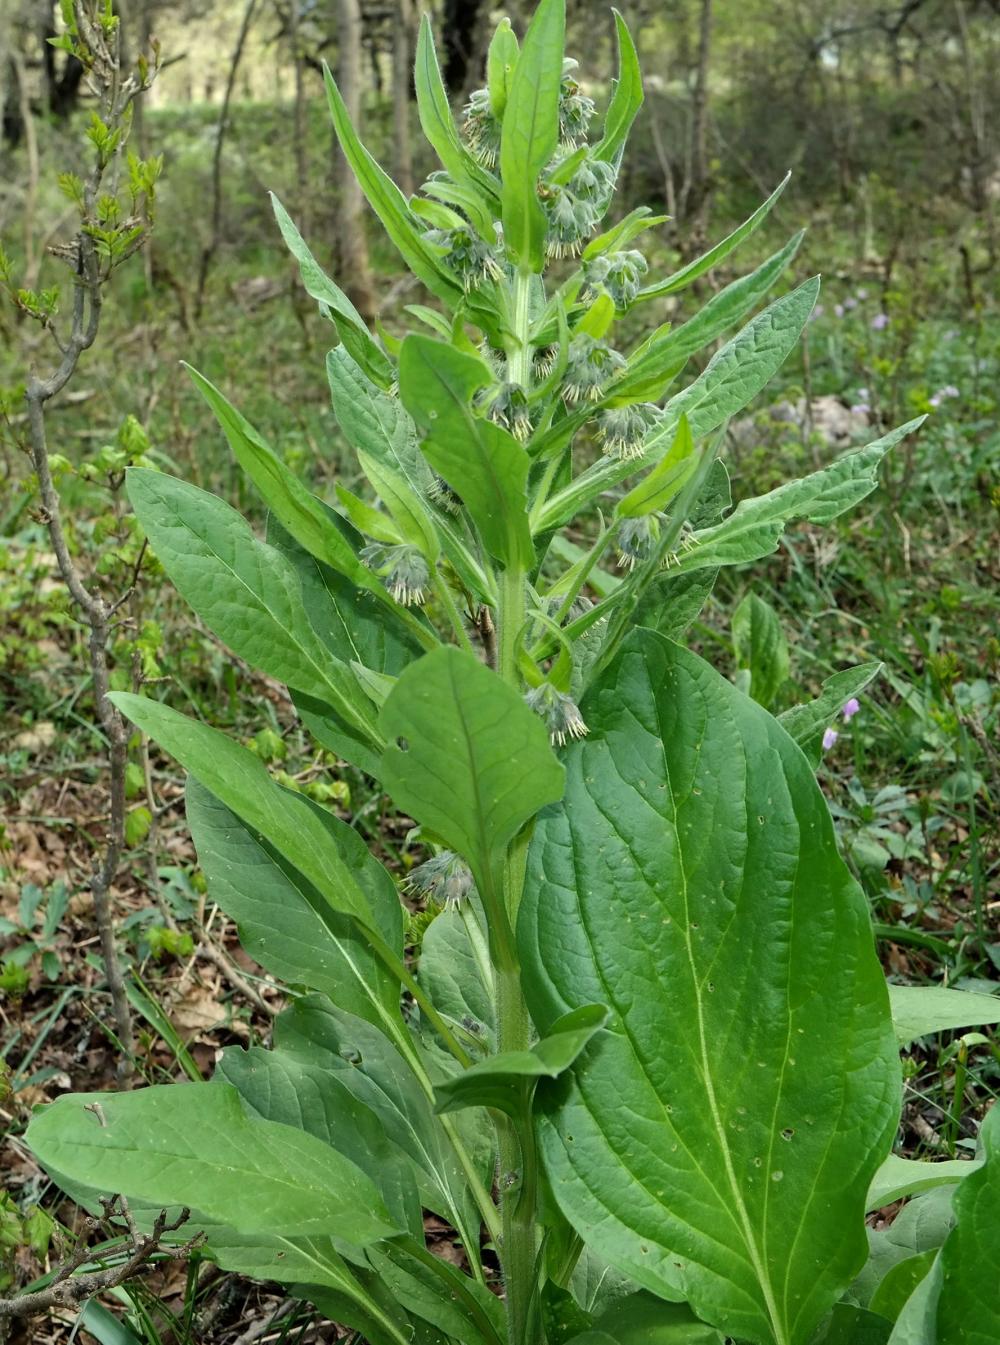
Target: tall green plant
(644, 1057)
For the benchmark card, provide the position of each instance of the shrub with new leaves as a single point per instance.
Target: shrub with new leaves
(645, 1060)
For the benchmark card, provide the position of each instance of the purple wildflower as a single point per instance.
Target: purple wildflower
(934, 401)
(817, 312)
(880, 321)
(839, 310)
(850, 302)
(860, 409)
(862, 294)
(950, 391)
(829, 738)
(851, 708)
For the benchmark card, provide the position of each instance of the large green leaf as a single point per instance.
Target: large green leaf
(850, 1325)
(286, 923)
(431, 1289)
(328, 1040)
(531, 133)
(285, 819)
(276, 1085)
(688, 274)
(626, 98)
(194, 1145)
(475, 763)
(717, 1140)
(456, 972)
(481, 461)
(918, 1010)
(755, 526)
(243, 589)
(968, 1307)
(390, 205)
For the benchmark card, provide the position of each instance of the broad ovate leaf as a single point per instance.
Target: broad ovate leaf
(716, 1141)
(195, 1145)
(968, 1306)
(466, 757)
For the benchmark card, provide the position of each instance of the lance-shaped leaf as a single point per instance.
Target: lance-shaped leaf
(656, 489)
(194, 1145)
(283, 818)
(723, 311)
(531, 133)
(687, 275)
(390, 205)
(440, 130)
(310, 944)
(918, 1010)
(626, 100)
(436, 1292)
(968, 1305)
(755, 526)
(466, 757)
(731, 379)
(247, 592)
(296, 508)
(806, 723)
(506, 1081)
(349, 323)
(716, 1141)
(481, 462)
(746, 364)
(456, 972)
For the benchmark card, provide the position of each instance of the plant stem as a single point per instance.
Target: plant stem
(518, 1179)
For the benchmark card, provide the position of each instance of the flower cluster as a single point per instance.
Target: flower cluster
(591, 365)
(619, 273)
(622, 429)
(575, 108)
(472, 260)
(402, 569)
(482, 129)
(444, 878)
(636, 539)
(560, 712)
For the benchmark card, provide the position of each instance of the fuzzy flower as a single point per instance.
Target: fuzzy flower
(508, 406)
(575, 108)
(879, 322)
(466, 254)
(560, 712)
(622, 429)
(445, 878)
(829, 738)
(441, 494)
(571, 219)
(850, 709)
(402, 569)
(636, 539)
(592, 363)
(593, 180)
(620, 273)
(482, 130)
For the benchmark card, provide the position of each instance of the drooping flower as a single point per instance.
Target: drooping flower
(829, 738)
(592, 363)
(508, 406)
(636, 539)
(402, 569)
(850, 709)
(620, 273)
(466, 254)
(560, 712)
(445, 877)
(622, 429)
(482, 129)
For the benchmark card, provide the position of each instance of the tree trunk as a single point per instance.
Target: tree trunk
(698, 198)
(402, 61)
(460, 24)
(352, 246)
